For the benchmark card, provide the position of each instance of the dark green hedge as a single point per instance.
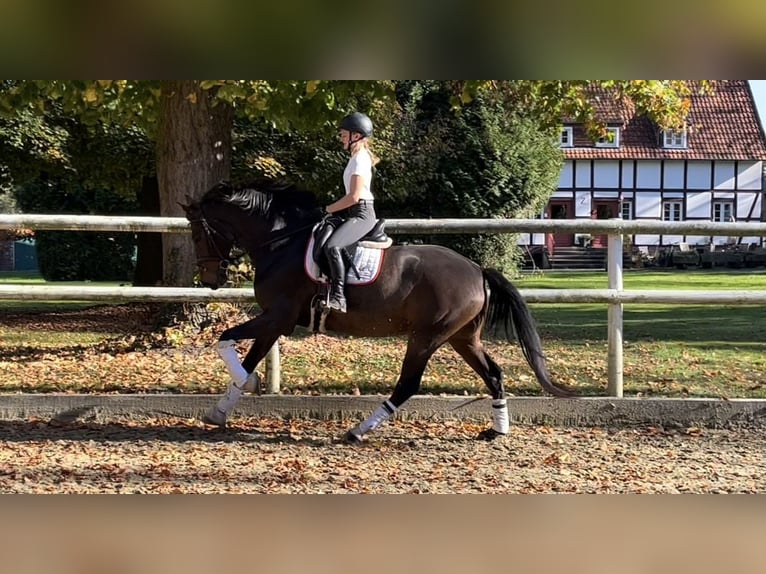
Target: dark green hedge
(79, 255)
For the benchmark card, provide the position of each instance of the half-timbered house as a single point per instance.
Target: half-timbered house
(712, 170)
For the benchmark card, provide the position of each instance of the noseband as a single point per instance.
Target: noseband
(210, 233)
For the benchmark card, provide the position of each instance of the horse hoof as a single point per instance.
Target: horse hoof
(489, 434)
(215, 418)
(351, 438)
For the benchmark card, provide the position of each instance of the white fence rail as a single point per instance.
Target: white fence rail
(615, 296)
(604, 226)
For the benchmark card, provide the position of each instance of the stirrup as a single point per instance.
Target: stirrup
(337, 304)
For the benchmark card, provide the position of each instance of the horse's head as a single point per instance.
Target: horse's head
(248, 215)
(212, 244)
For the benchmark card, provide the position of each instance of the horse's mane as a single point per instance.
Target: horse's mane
(269, 198)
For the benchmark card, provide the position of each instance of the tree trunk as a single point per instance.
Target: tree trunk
(149, 245)
(193, 154)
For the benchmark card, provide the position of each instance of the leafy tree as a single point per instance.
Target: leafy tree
(60, 165)
(312, 156)
(191, 121)
(665, 102)
(487, 160)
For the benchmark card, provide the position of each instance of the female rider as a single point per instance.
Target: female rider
(355, 209)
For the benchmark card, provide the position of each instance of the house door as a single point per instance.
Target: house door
(603, 209)
(560, 209)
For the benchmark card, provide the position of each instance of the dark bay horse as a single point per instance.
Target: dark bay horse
(426, 292)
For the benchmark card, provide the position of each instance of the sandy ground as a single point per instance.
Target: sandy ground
(307, 456)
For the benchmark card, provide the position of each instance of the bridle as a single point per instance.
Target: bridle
(210, 233)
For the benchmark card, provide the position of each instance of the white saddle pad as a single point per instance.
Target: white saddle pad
(367, 261)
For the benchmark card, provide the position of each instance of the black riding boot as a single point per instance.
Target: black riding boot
(337, 280)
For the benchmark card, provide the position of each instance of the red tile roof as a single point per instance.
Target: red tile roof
(721, 125)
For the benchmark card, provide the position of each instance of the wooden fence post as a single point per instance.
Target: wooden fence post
(273, 376)
(614, 318)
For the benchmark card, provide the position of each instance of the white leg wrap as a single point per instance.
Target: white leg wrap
(228, 401)
(228, 353)
(500, 414)
(379, 416)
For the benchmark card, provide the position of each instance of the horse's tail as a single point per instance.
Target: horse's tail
(507, 309)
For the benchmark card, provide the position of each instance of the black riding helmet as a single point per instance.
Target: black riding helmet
(357, 123)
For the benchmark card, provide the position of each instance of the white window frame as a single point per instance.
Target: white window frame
(672, 210)
(626, 208)
(674, 139)
(604, 141)
(723, 211)
(566, 137)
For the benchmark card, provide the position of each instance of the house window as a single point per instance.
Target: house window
(566, 138)
(674, 139)
(723, 211)
(559, 211)
(627, 209)
(611, 139)
(671, 211)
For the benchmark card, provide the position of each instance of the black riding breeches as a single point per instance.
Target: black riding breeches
(358, 221)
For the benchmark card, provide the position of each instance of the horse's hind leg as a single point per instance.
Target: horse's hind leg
(472, 350)
(419, 351)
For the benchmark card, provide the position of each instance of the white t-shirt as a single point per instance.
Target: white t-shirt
(360, 164)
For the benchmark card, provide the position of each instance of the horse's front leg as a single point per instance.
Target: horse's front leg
(264, 330)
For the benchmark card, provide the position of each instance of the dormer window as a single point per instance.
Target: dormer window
(611, 139)
(566, 137)
(674, 139)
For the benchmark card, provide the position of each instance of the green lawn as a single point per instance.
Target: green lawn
(49, 339)
(649, 279)
(21, 277)
(699, 350)
(15, 306)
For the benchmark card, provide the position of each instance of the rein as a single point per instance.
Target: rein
(211, 231)
(285, 235)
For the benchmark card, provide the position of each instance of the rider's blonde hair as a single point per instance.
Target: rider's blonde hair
(364, 142)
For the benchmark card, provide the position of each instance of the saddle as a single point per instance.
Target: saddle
(363, 258)
(363, 263)
(375, 239)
